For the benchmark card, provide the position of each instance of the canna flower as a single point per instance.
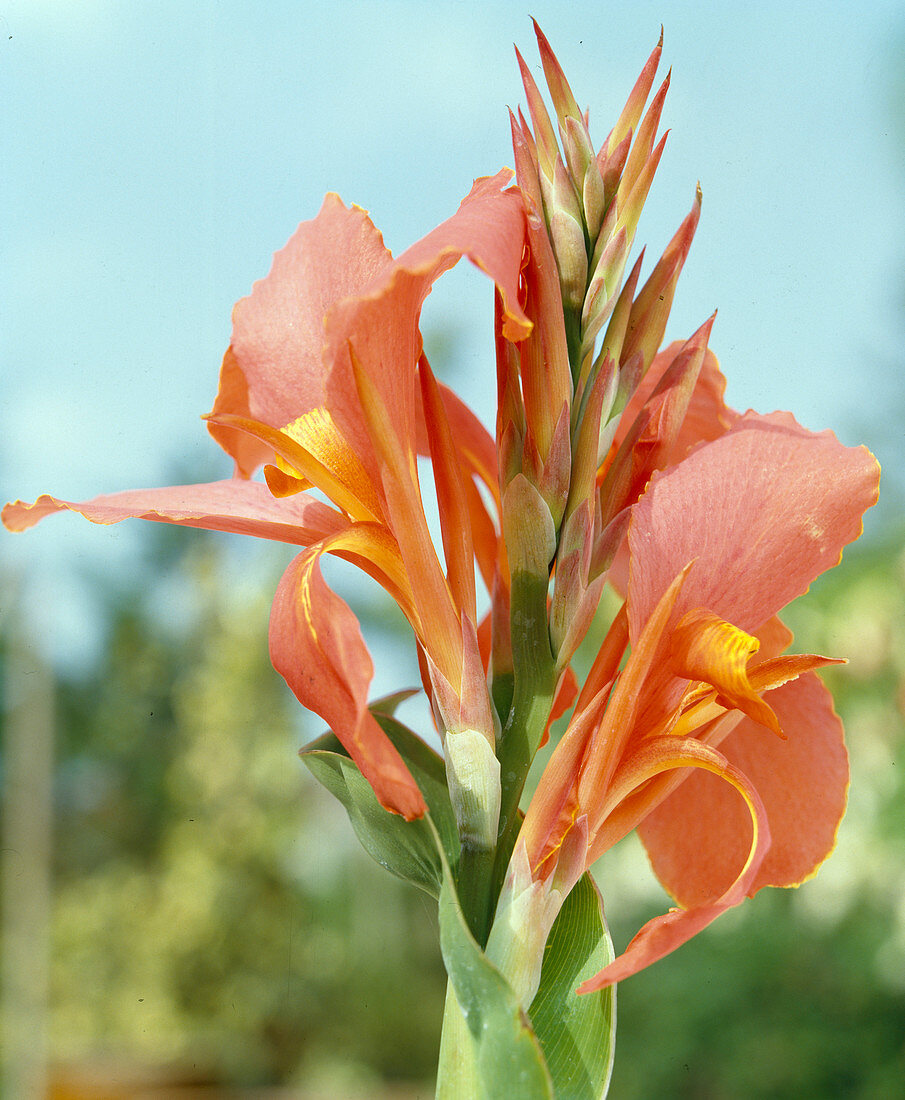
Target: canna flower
(726, 755)
(325, 382)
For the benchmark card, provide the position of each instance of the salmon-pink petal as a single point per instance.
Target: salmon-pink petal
(239, 506)
(449, 481)
(273, 371)
(775, 638)
(762, 510)
(555, 805)
(316, 645)
(488, 228)
(665, 933)
(476, 445)
(696, 837)
(381, 325)
(407, 521)
(707, 418)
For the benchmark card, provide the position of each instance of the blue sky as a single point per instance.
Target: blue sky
(157, 154)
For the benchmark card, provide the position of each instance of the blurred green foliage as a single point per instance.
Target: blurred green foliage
(213, 910)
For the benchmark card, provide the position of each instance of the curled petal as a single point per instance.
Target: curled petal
(697, 836)
(665, 933)
(316, 645)
(313, 449)
(705, 647)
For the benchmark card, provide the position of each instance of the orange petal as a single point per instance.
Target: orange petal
(455, 518)
(314, 449)
(476, 445)
(273, 371)
(764, 509)
(696, 837)
(407, 521)
(555, 805)
(665, 933)
(316, 645)
(705, 647)
(240, 506)
(625, 704)
(563, 697)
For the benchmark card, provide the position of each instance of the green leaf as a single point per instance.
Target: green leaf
(387, 704)
(577, 1034)
(407, 848)
(504, 1058)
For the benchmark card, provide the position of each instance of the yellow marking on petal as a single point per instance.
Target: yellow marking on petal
(356, 496)
(697, 715)
(283, 481)
(317, 432)
(705, 647)
(405, 509)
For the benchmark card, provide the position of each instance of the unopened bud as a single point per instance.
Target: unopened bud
(567, 235)
(528, 528)
(473, 775)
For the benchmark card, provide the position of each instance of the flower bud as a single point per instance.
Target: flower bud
(567, 235)
(473, 775)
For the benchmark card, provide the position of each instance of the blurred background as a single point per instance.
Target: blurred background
(183, 908)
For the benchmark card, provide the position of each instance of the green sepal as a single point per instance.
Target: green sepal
(406, 848)
(577, 1034)
(505, 1058)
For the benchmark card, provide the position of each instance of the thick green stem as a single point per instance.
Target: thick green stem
(535, 683)
(474, 885)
